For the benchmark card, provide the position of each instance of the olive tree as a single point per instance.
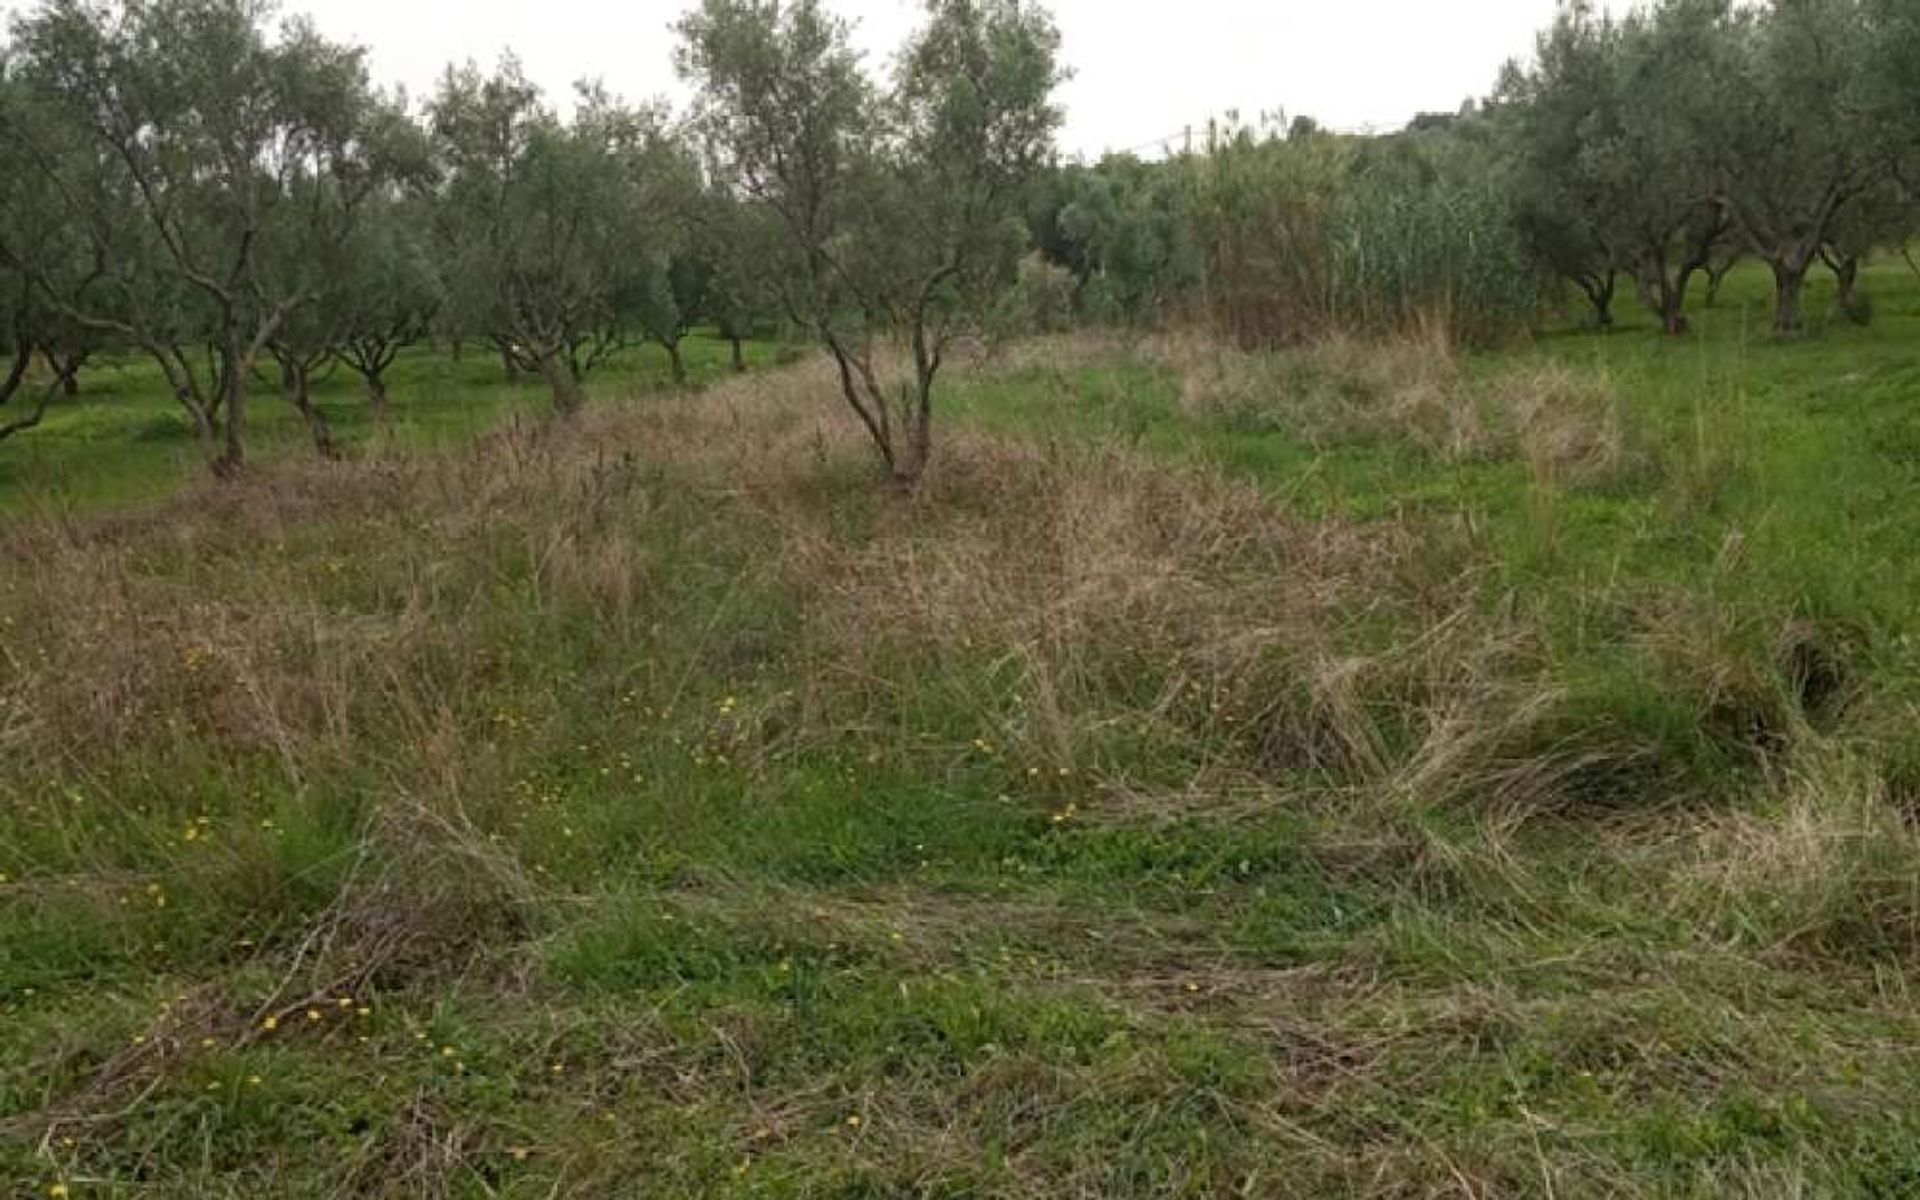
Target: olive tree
(1895, 90)
(1674, 222)
(1566, 202)
(389, 297)
(354, 280)
(542, 222)
(1876, 219)
(191, 144)
(1788, 130)
(34, 245)
(901, 205)
(28, 328)
(1612, 173)
(737, 240)
(675, 290)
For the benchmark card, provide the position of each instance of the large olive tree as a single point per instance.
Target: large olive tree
(191, 143)
(1788, 127)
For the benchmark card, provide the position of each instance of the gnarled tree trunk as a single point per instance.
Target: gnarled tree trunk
(1600, 290)
(379, 401)
(567, 394)
(1667, 298)
(1789, 317)
(65, 369)
(1846, 275)
(233, 398)
(299, 385)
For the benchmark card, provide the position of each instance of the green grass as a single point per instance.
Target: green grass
(1178, 799)
(122, 442)
(1772, 479)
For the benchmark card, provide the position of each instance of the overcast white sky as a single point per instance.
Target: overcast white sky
(1142, 70)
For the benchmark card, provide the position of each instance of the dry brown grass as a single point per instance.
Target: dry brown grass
(1107, 610)
(1415, 389)
(1828, 868)
(1139, 648)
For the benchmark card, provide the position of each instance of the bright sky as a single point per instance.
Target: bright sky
(1142, 71)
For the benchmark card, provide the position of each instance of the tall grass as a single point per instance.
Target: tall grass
(1313, 237)
(683, 812)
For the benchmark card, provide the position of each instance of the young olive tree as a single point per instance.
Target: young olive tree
(736, 240)
(543, 221)
(902, 210)
(192, 147)
(675, 291)
(1566, 204)
(1675, 221)
(390, 295)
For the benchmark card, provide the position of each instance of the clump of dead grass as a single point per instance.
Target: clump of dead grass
(1825, 865)
(1417, 390)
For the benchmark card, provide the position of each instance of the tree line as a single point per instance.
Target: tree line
(232, 196)
(1652, 150)
(188, 180)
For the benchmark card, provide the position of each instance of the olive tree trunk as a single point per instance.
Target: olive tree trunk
(567, 394)
(1789, 314)
(299, 387)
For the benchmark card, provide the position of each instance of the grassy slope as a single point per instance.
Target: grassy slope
(657, 807)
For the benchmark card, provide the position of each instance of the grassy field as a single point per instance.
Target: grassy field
(123, 443)
(1367, 771)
